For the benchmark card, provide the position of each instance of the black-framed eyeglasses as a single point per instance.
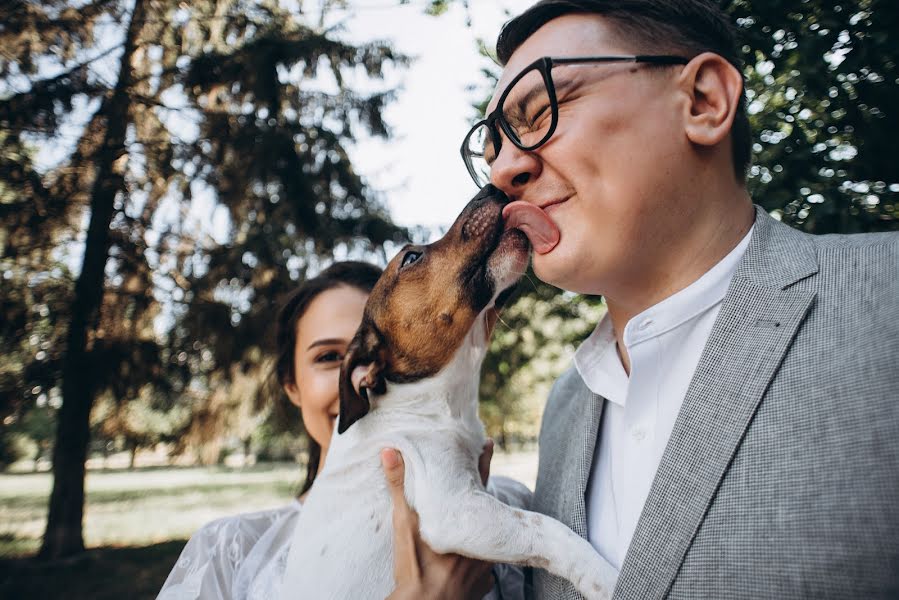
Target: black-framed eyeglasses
(528, 110)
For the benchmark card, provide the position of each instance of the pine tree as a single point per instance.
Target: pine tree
(238, 105)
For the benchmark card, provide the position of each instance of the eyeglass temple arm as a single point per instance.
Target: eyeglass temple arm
(661, 59)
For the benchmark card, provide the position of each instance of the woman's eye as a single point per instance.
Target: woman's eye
(328, 357)
(410, 258)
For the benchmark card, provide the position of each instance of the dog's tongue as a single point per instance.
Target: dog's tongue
(533, 222)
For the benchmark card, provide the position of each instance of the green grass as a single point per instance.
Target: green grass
(144, 506)
(107, 573)
(136, 523)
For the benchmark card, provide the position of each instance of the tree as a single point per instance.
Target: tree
(33, 305)
(229, 414)
(823, 89)
(222, 99)
(531, 345)
(150, 418)
(63, 535)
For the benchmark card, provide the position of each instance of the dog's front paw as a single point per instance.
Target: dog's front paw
(592, 587)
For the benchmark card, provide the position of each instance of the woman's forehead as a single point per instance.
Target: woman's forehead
(336, 312)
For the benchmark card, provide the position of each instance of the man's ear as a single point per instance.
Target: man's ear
(715, 87)
(362, 371)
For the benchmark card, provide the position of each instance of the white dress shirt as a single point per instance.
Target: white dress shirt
(664, 344)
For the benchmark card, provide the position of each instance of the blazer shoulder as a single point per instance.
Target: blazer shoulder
(886, 241)
(830, 264)
(867, 261)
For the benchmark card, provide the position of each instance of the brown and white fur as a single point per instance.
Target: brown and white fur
(410, 382)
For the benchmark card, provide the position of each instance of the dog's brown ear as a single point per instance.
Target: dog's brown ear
(362, 371)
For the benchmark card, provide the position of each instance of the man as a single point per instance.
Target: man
(731, 427)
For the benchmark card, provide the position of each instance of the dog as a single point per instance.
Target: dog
(409, 381)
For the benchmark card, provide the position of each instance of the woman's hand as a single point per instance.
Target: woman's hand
(419, 571)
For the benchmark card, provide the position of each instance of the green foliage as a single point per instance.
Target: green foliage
(244, 103)
(532, 344)
(34, 300)
(274, 149)
(145, 420)
(437, 7)
(823, 86)
(30, 434)
(9, 452)
(237, 108)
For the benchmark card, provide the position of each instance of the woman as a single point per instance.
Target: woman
(243, 557)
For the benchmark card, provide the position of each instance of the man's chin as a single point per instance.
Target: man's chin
(556, 270)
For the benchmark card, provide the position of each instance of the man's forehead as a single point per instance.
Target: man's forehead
(569, 35)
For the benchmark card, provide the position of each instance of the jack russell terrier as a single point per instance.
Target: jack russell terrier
(410, 381)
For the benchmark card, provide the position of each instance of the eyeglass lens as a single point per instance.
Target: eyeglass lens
(527, 117)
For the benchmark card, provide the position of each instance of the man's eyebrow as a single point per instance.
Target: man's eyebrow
(564, 83)
(521, 103)
(560, 86)
(326, 342)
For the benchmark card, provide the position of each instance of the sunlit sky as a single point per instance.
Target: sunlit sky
(419, 170)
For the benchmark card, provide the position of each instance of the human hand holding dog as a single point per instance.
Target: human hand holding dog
(419, 571)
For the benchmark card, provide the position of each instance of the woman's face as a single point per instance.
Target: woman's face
(323, 334)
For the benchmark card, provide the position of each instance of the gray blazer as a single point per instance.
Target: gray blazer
(781, 477)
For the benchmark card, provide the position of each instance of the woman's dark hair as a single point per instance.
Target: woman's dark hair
(359, 275)
(653, 26)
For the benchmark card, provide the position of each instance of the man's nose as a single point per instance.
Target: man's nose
(513, 168)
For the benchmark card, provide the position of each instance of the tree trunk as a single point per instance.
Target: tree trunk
(105, 456)
(133, 456)
(37, 457)
(501, 441)
(63, 536)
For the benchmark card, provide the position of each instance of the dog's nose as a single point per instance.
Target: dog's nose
(483, 213)
(491, 191)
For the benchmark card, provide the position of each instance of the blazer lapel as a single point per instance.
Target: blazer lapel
(585, 439)
(567, 443)
(576, 441)
(758, 320)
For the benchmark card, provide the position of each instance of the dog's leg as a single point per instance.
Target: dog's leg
(482, 527)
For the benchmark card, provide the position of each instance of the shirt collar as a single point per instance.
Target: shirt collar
(597, 360)
(598, 364)
(690, 302)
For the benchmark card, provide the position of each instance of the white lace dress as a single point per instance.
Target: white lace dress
(243, 557)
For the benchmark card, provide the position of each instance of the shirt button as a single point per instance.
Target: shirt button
(639, 434)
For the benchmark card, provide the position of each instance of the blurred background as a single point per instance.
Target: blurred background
(170, 170)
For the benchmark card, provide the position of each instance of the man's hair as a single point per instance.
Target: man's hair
(688, 27)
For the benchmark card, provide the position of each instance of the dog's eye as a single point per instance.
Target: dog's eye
(410, 258)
